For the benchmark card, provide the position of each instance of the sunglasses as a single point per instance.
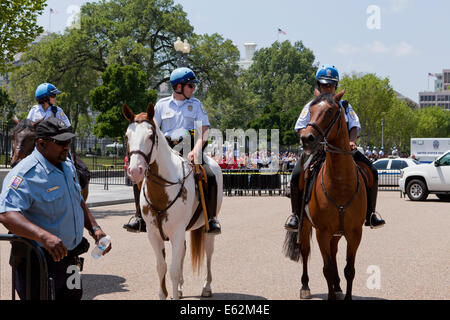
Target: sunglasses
(190, 85)
(52, 96)
(60, 143)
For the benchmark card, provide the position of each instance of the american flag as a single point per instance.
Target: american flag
(53, 11)
(281, 31)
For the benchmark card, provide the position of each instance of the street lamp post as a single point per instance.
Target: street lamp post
(182, 49)
(382, 131)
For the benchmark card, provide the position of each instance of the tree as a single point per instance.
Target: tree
(283, 78)
(18, 27)
(7, 106)
(369, 96)
(139, 31)
(433, 122)
(121, 84)
(400, 125)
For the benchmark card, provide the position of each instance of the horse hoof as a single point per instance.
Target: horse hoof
(305, 294)
(206, 293)
(339, 295)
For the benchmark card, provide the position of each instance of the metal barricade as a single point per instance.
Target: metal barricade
(44, 280)
(243, 182)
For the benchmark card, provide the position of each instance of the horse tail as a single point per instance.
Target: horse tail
(197, 248)
(291, 248)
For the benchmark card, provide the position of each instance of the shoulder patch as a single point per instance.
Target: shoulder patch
(15, 182)
(352, 114)
(304, 113)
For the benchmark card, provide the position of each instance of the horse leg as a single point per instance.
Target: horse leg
(305, 248)
(180, 285)
(337, 280)
(353, 241)
(178, 253)
(209, 249)
(161, 265)
(324, 240)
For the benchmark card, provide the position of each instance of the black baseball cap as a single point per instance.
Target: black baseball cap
(55, 129)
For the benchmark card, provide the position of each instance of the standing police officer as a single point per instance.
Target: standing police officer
(41, 201)
(176, 115)
(46, 97)
(327, 81)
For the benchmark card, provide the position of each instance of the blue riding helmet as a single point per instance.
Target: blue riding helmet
(44, 90)
(182, 75)
(327, 74)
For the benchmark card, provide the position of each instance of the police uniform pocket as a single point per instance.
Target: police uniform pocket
(188, 119)
(53, 200)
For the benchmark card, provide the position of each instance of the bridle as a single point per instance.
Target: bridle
(151, 176)
(323, 141)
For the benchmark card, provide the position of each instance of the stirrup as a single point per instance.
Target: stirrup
(376, 214)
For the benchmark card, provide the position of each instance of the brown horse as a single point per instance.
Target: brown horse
(338, 202)
(23, 142)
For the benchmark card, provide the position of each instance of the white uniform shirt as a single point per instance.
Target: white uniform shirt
(170, 117)
(350, 117)
(37, 113)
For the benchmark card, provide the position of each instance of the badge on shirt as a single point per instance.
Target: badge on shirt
(204, 110)
(190, 108)
(63, 115)
(304, 113)
(352, 114)
(16, 181)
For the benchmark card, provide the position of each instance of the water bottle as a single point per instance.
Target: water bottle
(103, 243)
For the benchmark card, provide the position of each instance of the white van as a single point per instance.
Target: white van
(426, 150)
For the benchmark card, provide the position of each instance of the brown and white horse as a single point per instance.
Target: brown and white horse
(168, 199)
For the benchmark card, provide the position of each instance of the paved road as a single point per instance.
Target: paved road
(410, 255)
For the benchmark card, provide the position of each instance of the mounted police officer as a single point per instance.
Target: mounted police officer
(46, 97)
(176, 115)
(41, 201)
(327, 81)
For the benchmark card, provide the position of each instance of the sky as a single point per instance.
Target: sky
(403, 40)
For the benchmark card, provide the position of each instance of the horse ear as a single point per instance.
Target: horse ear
(316, 93)
(339, 96)
(150, 110)
(127, 113)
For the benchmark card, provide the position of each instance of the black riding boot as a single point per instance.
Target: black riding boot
(372, 220)
(296, 198)
(138, 225)
(211, 202)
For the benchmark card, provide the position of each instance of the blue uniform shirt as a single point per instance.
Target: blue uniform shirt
(350, 117)
(37, 113)
(170, 117)
(46, 196)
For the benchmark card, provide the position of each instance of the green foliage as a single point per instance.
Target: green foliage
(369, 96)
(433, 122)
(18, 27)
(121, 84)
(7, 106)
(283, 78)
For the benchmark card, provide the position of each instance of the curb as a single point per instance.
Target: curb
(108, 203)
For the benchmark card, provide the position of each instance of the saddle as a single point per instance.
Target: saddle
(309, 176)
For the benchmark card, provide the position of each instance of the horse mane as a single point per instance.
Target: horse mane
(328, 97)
(22, 125)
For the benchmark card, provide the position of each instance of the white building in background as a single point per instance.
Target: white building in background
(250, 49)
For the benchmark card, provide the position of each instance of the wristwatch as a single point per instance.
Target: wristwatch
(93, 229)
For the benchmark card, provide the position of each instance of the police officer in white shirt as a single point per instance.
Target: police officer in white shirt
(46, 108)
(327, 81)
(177, 115)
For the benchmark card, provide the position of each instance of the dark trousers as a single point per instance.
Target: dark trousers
(296, 194)
(56, 270)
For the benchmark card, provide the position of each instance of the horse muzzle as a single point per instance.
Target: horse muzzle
(310, 142)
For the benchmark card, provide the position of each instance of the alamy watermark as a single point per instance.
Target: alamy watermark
(374, 19)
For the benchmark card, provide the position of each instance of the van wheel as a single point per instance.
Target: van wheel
(417, 190)
(443, 197)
